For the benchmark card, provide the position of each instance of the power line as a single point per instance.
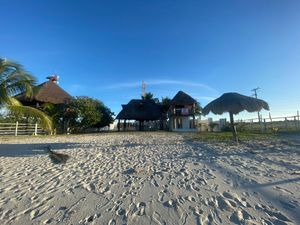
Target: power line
(255, 91)
(255, 95)
(143, 89)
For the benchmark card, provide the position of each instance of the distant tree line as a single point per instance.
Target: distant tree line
(165, 102)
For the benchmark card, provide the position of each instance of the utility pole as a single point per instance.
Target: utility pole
(255, 95)
(143, 89)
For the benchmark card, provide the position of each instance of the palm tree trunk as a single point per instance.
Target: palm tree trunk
(235, 138)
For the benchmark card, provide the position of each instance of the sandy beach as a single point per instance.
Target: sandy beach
(149, 178)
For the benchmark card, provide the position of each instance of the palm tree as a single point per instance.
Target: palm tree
(165, 102)
(148, 96)
(13, 80)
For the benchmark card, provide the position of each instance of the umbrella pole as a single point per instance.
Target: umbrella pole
(235, 138)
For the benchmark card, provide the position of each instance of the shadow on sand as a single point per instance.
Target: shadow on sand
(209, 155)
(27, 150)
(280, 182)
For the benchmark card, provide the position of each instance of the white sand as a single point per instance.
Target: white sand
(175, 180)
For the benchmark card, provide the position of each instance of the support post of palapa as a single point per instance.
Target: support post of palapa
(194, 124)
(124, 127)
(235, 138)
(118, 125)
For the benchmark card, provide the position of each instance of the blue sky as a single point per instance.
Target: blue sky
(105, 49)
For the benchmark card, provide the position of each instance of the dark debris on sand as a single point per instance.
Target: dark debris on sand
(57, 158)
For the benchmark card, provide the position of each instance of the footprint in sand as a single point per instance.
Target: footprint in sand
(124, 194)
(48, 221)
(196, 210)
(224, 204)
(160, 196)
(141, 208)
(120, 211)
(157, 218)
(112, 182)
(91, 218)
(234, 197)
(154, 183)
(89, 187)
(180, 199)
(194, 187)
(34, 197)
(213, 202)
(104, 190)
(208, 219)
(171, 204)
(240, 216)
(6, 214)
(112, 222)
(33, 214)
(131, 210)
(277, 215)
(191, 198)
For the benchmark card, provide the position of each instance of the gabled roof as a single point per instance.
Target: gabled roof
(46, 92)
(181, 98)
(138, 109)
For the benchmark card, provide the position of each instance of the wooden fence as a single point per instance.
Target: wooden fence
(271, 124)
(15, 129)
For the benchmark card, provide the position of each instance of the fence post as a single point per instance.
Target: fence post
(35, 129)
(298, 119)
(16, 130)
(286, 123)
(272, 127)
(265, 126)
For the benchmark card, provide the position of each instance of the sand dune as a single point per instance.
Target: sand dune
(148, 178)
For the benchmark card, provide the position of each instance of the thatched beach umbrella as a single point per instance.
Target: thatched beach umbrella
(234, 103)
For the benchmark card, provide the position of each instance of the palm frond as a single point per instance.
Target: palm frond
(13, 102)
(27, 111)
(13, 80)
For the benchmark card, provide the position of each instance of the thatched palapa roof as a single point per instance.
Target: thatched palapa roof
(46, 92)
(141, 110)
(181, 98)
(234, 103)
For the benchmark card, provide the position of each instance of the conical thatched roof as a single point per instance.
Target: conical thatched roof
(234, 103)
(181, 98)
(47, 92)
(138, 109)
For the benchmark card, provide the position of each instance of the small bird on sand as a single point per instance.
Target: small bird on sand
(57, 157)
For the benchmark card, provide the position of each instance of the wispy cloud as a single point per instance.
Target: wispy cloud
(207, 98)
(161, 82)
(204, 98)
(123, 85)
(74, 88)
